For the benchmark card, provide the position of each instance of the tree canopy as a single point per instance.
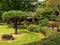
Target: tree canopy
(55, 4)
(14, 17)
(24, 5)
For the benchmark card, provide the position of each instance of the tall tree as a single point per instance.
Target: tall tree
(55, 4)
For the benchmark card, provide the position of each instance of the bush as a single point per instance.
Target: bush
(46, 31)
(34, 28)
(22, 27)
(43, 22)
(54, 39)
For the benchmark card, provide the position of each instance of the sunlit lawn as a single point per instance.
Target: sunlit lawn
(24, 37)
(5, 29)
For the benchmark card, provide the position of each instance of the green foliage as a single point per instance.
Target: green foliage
(38, 14)
(34, 28)
(52, 3)
(55, 4)
(1, 16)
(49, 13)
(43, 22)
(54, 39)
(46, 31)
(24, 5)
(22, 27)
(58, 18)
(12, 16)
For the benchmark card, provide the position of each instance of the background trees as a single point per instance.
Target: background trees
(49, 9)
(24, 5)
(14, 17)
(55, 4)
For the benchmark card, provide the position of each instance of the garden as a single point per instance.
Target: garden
(29, 22)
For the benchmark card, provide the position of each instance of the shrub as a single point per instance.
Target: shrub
(54, 39)
(34, 28)
(46, 31)
(43, 22)
(22, 27)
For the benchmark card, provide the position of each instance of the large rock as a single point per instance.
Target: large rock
(7, 37)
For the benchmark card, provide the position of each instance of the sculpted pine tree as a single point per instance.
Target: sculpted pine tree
(14, 17)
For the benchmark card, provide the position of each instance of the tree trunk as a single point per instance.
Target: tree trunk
(15, 27)
(15, 30)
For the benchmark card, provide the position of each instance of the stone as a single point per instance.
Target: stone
(7, 37)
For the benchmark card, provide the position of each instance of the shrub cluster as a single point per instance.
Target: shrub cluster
(34, 28)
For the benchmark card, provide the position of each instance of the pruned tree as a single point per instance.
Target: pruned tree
(14, 17)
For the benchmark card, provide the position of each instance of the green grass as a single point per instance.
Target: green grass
(28, 37)
(5, 29)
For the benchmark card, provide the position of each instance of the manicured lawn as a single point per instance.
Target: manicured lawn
(24, 37)
(5, 29)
